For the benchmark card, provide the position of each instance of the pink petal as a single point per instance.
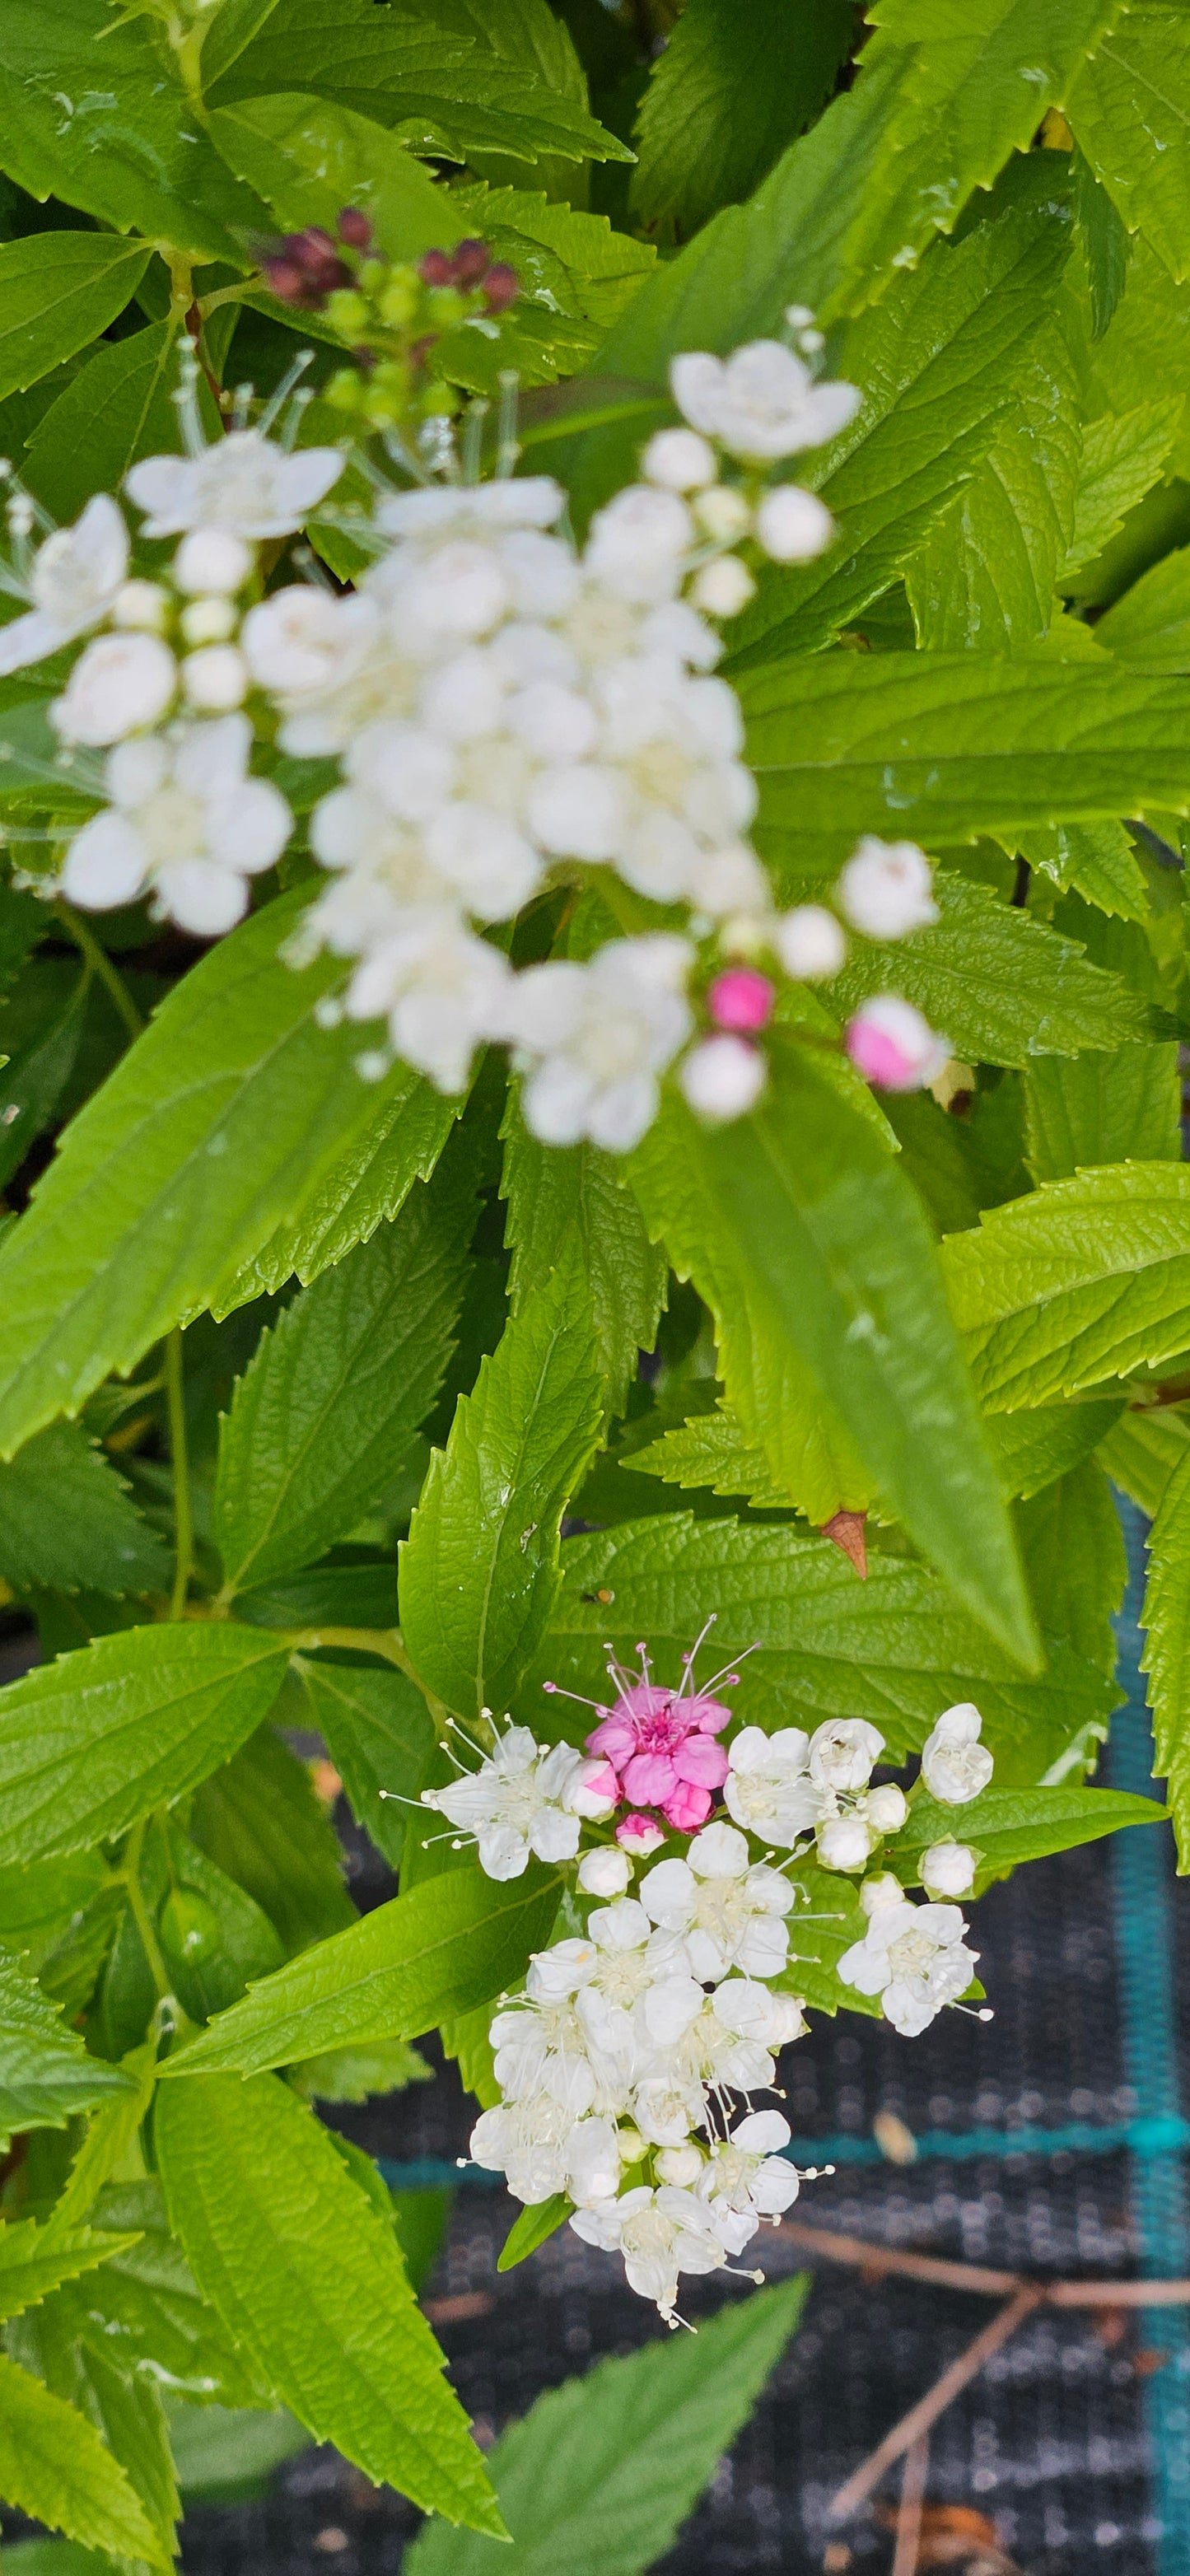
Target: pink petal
(613, 1737)
(639, 1834)
(702, 1760)
(687, 1807)
(649, 1777)
(708, 1715)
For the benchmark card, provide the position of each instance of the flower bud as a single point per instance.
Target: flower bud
(722, 588)
(810, 942)
(886, 888)
(723, 1078)
(741, 1000)
(605, 1872)
(141, 605)
(954, 1764)
(208, 621)
(471, 261)
(679, 460)
(215, 679)
(211, 559)
(436, 268)
(501, 286)
(893, 1046)
(639, 1835)
(876, 1893)
(354, 229)
(844, 1842)
(947, 1869)
(885, 1808)
(680, 2166)
(596, 1793)
(793, 526)
(723, 513)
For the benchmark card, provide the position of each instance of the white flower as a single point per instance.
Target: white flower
(527, 2142)
(723, 587)
(638, 543)
(842, 1753)
(666, 2108)
(947, 1869)
(660, 2234)
(679, 460)
(728, 880)
(681, 2165)
(593, 2162)
(746, 2178)
(887, 888)
(597, 1037)
(729, 1911)
(605, 1872)
(768, 1789)
(810, 942)
(914, 1958)
(793, 526)
(243, 484)
(723, 514)
(118, 686)
(723, 1078)
(885, 1808)
(547, 2048)
(760, 403)
(514, 1803)
(475, 509)
(215, 679)
(297, 641)
(845, 1842)
(954, 1764)
(440, 989)
(186, 822)
(74, 583)
(212, 560)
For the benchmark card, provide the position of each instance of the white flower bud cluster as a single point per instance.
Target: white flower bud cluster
(617, 2064)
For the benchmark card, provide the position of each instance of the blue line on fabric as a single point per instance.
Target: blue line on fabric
(1143, 1906)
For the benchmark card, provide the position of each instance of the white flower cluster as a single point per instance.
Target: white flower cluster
(509, 713)
(618, 2064)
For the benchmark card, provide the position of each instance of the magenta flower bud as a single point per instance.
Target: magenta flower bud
(893, 1046)
(741, 1000)
(501, 286)
(355, 229)
(639, 1835)
(436, 268)
(285, 280)
(472, 260)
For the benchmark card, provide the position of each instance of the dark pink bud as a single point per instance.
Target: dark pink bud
(472, 260)
(355, 229)
(741, 1000)
(436, 268)
(311, 246)
(500, 286)
(286, 280)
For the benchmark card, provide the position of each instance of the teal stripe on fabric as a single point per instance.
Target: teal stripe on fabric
(1142, 1873)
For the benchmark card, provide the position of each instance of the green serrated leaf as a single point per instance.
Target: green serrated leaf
(45, 2072)
(556, 1192)
(54, 2467)
(1030, 1449)
(229, 1118)
(67, 1520)
(938, 361)
(34, 2262)
(947, 746)
(379, 1735)
(107, 126)
(805, 1240)
(1073, 1553)
(820, 1644)
(57, 290)
(309, 157)
(986, 574)
(713, 1452)
(736, 83)
(1103, 1109)
(1142, 1450)
(1123, 456)
(310, 2279)
(91, 1742)
(1011, 1825)
(1004, 989)
(1082, 1281)
(479, 1570)
(320, 1422)
(1096, 859)
(115, 409)
(1130, 109)
(598, 2477)
(1151, 623)
(448, 1946)
(1166, 1621)
(356, 2074)
(260, 1820)
(145, 2313)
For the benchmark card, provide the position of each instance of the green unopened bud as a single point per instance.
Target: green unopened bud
(398, 301)
(444, 307)
(440, 402)
(373, 274)
(347, 311)
(345, 392)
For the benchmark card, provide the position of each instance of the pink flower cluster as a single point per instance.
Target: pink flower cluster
(659, 1751)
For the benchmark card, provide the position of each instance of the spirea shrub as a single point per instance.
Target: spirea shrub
(594, 740)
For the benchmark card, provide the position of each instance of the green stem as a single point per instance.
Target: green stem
(183, 1521)
(140, 1912)
(100, 964)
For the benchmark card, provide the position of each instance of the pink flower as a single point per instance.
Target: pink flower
(660, 1743)
(741, 1000)
(639, 1835)
(892, 1045)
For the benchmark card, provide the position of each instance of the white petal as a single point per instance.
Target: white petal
(201, 896)
(105, 864)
